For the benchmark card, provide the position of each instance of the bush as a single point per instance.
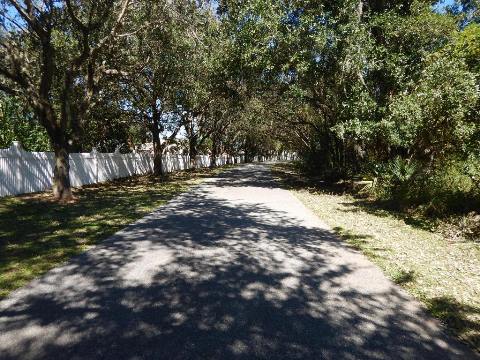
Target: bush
(451, 188)
(394, 181)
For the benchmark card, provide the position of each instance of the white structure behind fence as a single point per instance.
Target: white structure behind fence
(25, 172)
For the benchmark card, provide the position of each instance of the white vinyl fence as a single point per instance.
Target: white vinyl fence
(25, 172)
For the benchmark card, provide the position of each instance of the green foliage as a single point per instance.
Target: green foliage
(396, 181)
(467, 46)
(401, 171)
(346, 84)
(450, 188)
(431, 119)
(16, 124)
(401, 44)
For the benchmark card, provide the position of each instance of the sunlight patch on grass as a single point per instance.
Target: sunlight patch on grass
(37, 234)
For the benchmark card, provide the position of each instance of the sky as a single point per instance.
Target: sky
(442, 4)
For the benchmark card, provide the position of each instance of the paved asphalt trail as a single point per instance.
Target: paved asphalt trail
(235, 269)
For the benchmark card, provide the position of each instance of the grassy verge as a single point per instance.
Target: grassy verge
(37, 234)
(443, 274)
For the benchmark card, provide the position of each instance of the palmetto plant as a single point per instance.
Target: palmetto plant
(401, 171)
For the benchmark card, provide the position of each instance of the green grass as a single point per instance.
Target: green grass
(443, 274)
(37, 234)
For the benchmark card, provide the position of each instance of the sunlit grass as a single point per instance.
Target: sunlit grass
(443, 274)
(37, 234)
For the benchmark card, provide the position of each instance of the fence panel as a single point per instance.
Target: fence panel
(83, 169)
(25, 172)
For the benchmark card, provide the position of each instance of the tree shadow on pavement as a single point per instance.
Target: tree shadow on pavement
(206, 278)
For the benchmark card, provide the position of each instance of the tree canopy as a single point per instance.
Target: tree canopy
(351, 85)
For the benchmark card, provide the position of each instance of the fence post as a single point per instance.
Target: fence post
(135, 167)
(94, 154)
(16, 151)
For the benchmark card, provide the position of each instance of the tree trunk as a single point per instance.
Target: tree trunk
(158, 161)
(213, 159)
(192, 150)
(157, 146)
(62, 189)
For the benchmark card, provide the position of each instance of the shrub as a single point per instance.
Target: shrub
(450, 188)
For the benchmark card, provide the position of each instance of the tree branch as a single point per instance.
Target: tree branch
(115, 28)
(8, 89)
(27, 15)
(74, 17)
